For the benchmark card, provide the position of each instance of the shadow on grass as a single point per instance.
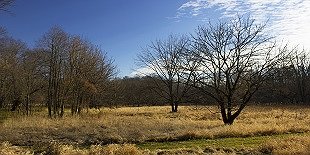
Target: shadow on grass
(4, 114)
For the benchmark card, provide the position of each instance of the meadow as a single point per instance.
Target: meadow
(154, 130)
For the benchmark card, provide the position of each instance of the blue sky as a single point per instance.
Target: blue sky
(122, 27)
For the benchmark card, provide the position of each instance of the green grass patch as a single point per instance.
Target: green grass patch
(236, 143)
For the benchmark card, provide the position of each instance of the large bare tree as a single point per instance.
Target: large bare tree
(166, 60)
(235, 58)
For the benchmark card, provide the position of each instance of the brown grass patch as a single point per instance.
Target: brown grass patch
(140, 124)
(293, 145)
(7, 149)
(113, 149)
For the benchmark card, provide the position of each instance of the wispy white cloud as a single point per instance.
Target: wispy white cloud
(289, 20)
(141, 72)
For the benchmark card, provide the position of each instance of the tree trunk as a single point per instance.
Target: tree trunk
(2, 99)
(27, 104)
(227, 117)
(229, 121)
(223, 114)
(174, 106)
(72, 108)
(49, 108)
(62, 110)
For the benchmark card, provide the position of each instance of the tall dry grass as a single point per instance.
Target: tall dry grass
(292, 145)
(142, 124)
(7, 149)
(57, 149)
(117, 149)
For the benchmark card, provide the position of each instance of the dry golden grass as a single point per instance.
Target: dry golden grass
(152, 124)
(57, 149)
(7, 149)
(113, 149)
(140, 124)
(293, 145)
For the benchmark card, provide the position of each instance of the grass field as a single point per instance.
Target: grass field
(154, 130)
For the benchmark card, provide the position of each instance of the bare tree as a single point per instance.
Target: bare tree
(10, 73)
(301, 68)
(235, 58)
(89, 72)
(78, 72)
(165, 59)
(2, 32)
(55, 43)
(4, 4)
(32, 77)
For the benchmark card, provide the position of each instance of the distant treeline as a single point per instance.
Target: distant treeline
(288, 85)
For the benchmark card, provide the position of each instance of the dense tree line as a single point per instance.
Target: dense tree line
(288, 83)
(143, 91)
(280, 88)
(63, 70)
